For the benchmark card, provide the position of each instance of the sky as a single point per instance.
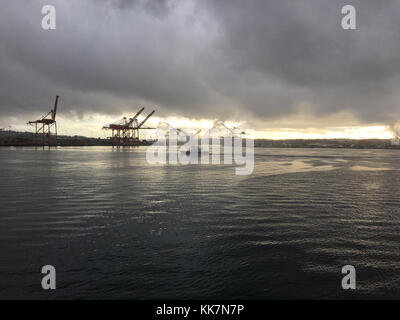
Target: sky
(286, 69)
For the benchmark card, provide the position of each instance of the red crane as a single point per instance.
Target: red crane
(126, 131)
(43, 127)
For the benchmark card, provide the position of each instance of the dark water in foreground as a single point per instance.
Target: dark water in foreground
(116, 227)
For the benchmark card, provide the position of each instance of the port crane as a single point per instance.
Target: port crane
(44, 126)
(126, 130)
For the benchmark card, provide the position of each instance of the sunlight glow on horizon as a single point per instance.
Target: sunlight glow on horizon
(359, 132)
(91, 126)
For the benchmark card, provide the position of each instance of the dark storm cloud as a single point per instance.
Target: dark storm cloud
(301, 48)
(203, 59)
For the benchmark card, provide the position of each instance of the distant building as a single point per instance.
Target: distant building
(395, 141)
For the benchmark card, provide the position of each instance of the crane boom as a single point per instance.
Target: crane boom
(54, 111)
(136, 115)
(145, 119)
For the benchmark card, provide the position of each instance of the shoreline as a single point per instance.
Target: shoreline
(27, 139)
(256, 146)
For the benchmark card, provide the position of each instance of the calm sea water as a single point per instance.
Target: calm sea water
(117, 227)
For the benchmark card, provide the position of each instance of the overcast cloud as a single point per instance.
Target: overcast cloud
(205, 59)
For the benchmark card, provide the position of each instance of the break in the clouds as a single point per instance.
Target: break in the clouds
(206, 59)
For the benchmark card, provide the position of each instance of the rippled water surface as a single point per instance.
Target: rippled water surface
(117, 227)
